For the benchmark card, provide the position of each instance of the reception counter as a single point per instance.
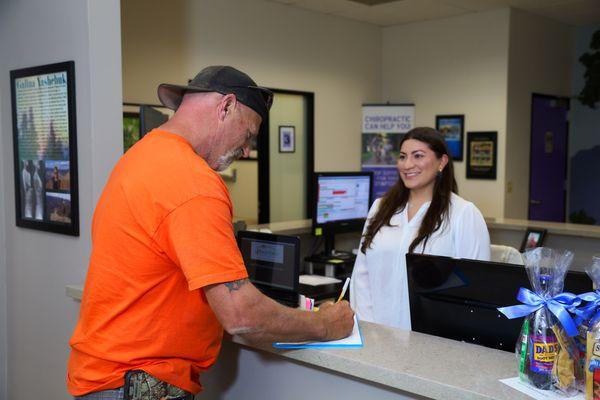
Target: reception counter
(393, 364)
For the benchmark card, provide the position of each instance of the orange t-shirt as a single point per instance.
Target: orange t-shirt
(161, 229)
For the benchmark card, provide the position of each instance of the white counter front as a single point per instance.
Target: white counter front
(392, 364)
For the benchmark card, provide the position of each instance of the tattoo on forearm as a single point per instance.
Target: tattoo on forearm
(235, 285)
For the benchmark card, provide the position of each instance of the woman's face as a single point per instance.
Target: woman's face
(418, 164)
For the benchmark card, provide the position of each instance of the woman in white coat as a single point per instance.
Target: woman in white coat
(421, 213)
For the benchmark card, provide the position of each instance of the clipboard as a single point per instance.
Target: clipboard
(354, 341)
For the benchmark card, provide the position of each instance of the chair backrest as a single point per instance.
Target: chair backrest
(505, 254)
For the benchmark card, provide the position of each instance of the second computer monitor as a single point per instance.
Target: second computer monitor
(342, 201)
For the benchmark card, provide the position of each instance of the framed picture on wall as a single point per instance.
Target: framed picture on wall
(533, 238)
(45, 148)
(131, 129)
(139, 119)
(482, 155)
(287, 143)
(452, 128)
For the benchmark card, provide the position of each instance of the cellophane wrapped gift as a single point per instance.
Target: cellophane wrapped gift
(547, 355)
(592, 360)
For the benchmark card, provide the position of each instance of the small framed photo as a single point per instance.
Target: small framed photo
(45, 148)
(533, 238)
(287, 139)
(452, 127)
(131, 129)
(482, 150)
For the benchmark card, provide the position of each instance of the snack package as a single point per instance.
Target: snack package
(548, 356)
(592, 360)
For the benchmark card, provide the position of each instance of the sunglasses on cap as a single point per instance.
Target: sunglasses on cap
(266, 94)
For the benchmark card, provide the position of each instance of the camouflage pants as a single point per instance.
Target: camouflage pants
(116, 394)
(141, 386)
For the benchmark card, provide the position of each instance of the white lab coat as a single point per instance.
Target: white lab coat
(379, 289)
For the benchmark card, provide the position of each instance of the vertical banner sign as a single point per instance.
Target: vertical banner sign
(382, 128)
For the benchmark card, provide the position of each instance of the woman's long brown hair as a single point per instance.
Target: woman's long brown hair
(395, 199)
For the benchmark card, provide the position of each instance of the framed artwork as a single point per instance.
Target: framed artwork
(482, 155)
(139, 119)
(452, 127)
(533, 238)
(287, 140)
(45, 148)
(131, 129)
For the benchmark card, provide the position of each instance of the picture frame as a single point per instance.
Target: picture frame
(287, 139)
(139, 119)
(534, 237)
(452, 127)
(131, 129)
(45, 148)
(482, 159)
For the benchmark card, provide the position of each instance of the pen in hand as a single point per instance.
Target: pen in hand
(343, 290)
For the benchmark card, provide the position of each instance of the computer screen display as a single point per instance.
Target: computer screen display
(272, 261)
(342, 197)
(458, 298)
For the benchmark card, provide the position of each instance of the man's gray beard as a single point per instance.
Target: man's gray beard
(226, 159)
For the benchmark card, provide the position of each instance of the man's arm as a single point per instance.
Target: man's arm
(244, 311)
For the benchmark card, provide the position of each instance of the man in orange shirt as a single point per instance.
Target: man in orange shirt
(165, 274)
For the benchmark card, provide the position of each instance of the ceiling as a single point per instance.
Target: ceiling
(396, 12)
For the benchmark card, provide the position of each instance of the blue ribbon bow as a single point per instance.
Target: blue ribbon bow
(558, 305)
(591, 311)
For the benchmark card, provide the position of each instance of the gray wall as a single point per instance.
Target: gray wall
(35, 266)
(585, 122)
(2, 272)
(584, 137)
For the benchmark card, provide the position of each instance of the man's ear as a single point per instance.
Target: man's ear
(226, 106)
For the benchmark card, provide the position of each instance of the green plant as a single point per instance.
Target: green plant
(590, 94)
(580, 217)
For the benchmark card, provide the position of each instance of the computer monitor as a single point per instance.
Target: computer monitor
(341, 204)
(150, 118)
(273, 264)
(458, 298)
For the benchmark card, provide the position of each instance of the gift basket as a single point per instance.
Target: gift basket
(547, 354)
(588, 315)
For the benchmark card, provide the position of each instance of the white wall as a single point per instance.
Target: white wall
(278, 45)
(539, 62)
(40, 317)
(287, 170)
(455, 66)
(244, 191)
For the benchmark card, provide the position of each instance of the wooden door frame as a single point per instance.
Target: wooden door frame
(264, 202)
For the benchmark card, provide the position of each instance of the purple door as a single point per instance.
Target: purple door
(548, 173)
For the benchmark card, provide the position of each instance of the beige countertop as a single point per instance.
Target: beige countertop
(420, 364)
(556, 228)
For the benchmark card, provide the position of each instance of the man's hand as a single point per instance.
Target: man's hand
(337, 318)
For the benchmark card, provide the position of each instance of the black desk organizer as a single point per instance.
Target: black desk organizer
(342, 265)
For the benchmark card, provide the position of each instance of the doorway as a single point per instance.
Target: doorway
(548, 158)
(285, 175)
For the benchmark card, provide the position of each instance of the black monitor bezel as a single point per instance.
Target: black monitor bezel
(340, 226)
(418, 325)
(271, 237)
